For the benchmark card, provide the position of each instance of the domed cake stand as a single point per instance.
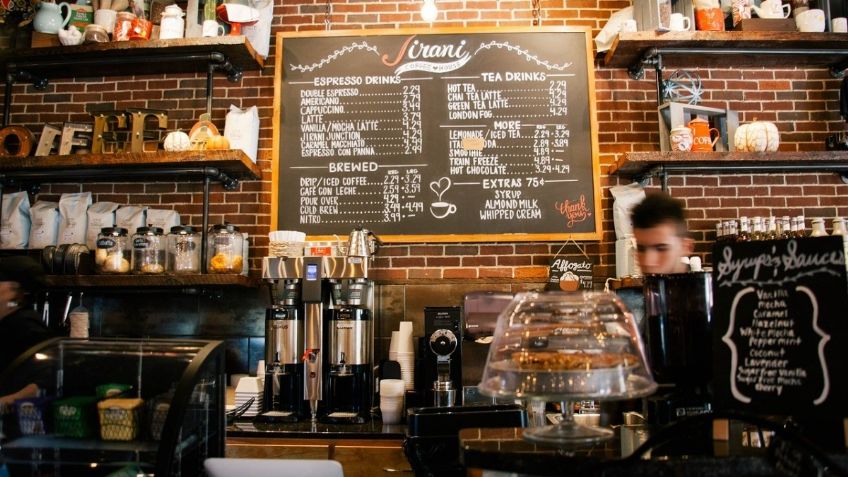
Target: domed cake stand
(567, 431)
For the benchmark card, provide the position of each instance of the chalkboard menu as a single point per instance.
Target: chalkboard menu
(780, 336)
(437, 135)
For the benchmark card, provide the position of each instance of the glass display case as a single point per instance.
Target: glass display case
(116, 407)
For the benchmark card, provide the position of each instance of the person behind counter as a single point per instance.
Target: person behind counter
(662, 238)
(21, 278)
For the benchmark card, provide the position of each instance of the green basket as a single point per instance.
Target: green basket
(75, 416)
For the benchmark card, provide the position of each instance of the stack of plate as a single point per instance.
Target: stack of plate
(250, 387)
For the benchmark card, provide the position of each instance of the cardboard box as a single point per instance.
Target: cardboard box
(44, 40)
(766, 24)
(81, 15)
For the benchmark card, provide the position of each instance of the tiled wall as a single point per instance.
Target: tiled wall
(802, 102)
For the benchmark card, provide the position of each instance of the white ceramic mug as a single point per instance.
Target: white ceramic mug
(773, 9)
(681, 139)
(839, 25)
(105, 17)
(677, 22)
(810, 21)
(212, 28)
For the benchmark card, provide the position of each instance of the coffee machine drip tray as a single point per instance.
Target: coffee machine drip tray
(276, 416)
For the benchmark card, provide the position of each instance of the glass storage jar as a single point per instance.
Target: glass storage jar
(95, 33)
(183, 250)
(224, 249)
(148, 251)
(111, 255)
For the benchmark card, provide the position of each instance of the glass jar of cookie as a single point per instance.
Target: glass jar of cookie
(225, 249)
(111, 254)
(183, 250)
(148, 251)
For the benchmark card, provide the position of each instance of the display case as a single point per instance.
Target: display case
(116, 407)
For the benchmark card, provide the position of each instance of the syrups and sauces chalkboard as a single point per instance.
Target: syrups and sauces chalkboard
(780, 337)
(437, 135)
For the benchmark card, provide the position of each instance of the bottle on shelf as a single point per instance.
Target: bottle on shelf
(802, 227)
(771, 231)
(787, 228)
(839, 229)
(744, 234)
(818, 229)
(757, 230)
(719, 226)
(731, 229)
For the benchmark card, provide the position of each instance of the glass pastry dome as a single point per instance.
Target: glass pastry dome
(567, 346)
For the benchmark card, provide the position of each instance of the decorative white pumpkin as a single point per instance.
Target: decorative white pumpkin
(177, 141)
(758, 136)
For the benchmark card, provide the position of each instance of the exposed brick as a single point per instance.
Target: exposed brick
(459, 273)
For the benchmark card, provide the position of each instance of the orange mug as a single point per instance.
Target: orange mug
(702, 140)
(709, 19)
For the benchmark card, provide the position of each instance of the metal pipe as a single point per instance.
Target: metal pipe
(118, 59)
(209, 83)
(107, 174)
(7, 99)
(740, 51)
(205, 226)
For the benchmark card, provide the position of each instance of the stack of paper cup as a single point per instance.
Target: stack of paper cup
(391, 400)
(404, 353)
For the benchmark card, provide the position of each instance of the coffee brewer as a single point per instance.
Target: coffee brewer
(337, 350)
(283, 351)
(678, 333)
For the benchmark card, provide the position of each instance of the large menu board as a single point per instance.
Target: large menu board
(437, 135)
(780, 338)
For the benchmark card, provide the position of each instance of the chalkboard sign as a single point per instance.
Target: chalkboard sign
(437, 135)
(780, 337)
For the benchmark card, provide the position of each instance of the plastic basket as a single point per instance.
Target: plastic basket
(74, 416)
(158, 413)
(119, 418)
(34, 415)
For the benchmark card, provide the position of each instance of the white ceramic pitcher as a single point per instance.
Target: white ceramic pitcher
(49, 18)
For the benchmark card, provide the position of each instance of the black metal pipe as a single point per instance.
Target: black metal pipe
(7, 99)
(741, 51)
(209, 83)
(59, 175)
(205, 227)
(77, 60)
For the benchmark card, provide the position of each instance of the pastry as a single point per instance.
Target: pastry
(554, 361)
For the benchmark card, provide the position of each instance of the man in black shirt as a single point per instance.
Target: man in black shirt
(21, 278)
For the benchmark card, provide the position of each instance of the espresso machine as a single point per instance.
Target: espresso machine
(678, 338)
(283, 351)
(337, 351)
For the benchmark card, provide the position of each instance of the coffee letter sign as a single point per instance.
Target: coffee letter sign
(422, 135)
(779, 331)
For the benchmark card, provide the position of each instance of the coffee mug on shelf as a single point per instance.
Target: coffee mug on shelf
(680, 138)
(810, 21)
(709, 19)
(839, 25)
(106, 17)
(212, 28)
(772, 9)
(678, 22)
(702, 140)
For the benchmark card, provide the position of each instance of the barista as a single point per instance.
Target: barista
(21, 278)
(662, 238)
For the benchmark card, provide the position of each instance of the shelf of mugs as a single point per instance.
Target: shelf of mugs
(231, 54)
(641, 166)
(150, 281)
(723, 49)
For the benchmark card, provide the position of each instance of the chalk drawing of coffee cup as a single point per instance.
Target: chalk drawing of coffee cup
(440, 209)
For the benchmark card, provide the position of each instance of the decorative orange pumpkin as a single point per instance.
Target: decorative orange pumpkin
(217, 142)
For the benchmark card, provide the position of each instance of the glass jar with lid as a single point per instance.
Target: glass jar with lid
(148, 250)
(111, 255)
(183, 250)
(224, 249)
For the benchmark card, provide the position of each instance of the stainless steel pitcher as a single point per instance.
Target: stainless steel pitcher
(362, 243)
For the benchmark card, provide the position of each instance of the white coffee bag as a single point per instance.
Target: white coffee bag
(131, 217)
(241, 128)
(14, 229)
(72, 217)
(100, 214)
(45, 224)
(165, 219)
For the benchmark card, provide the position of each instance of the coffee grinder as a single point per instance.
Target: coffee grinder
(349, 383)
(678, 339)
(440, 352)
(283, 350)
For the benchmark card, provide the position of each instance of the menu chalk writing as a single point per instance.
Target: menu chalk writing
(437, 135)
(779, 330)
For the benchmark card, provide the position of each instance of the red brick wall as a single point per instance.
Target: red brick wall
(803, 103)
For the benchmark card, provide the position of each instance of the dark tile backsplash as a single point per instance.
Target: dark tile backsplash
(237, 316)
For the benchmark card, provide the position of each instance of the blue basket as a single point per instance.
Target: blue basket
(34, 415)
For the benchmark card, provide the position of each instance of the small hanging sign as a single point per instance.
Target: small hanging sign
(570, 274)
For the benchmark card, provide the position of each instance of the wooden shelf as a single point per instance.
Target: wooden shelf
(223, 165)
(706, 49)
(134, 57)
(643, 165)
(151, 281)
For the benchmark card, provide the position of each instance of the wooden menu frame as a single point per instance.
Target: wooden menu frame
(591, 216)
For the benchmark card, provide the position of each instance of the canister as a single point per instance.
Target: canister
(112, 254)
(148, 251)
(225, 248)
(183, 250)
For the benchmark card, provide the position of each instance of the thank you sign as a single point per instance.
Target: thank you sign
(779, 336)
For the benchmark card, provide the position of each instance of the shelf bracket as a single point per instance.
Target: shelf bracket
(649, 58)
(644, 179)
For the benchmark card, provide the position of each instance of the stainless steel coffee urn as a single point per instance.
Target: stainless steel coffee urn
(283, 396)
